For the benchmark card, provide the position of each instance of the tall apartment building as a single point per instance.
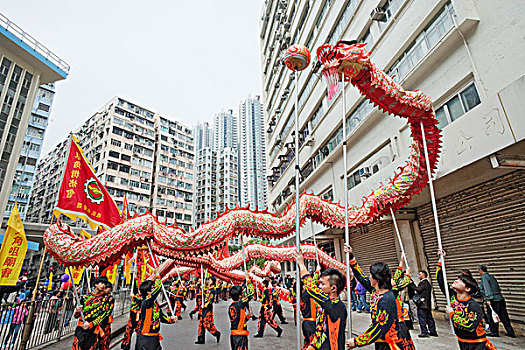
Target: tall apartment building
(252, 154)
(137, 153)
(217, 168)
(25, 64)
(34, 138)
(225, 130)
(205, 200)
(203, 136)
(438, 47)
(174, 173)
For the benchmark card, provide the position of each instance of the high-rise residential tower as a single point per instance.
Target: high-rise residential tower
(31, 149)
(252, 154)
(25, 64)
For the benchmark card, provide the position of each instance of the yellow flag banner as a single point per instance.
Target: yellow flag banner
(77, 274)
(129, 262)
(50, 285)
(84, 233)
(13, 251)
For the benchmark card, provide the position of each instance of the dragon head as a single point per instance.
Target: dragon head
(346, 57)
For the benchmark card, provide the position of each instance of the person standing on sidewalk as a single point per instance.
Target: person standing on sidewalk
(361, 302)
(427, 324)
(491, 291)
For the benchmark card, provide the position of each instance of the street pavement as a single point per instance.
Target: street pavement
(183, 334)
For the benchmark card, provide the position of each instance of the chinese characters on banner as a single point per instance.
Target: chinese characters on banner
(13, 251)
(82, 195)
(111, 272)
(77, 272)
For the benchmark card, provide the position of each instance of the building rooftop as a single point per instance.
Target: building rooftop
(52, 67)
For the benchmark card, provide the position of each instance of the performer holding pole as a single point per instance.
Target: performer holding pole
(297, 58)
(151, 315)
(436, 220)
(161, 284)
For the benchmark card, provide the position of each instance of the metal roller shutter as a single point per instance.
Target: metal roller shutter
(374, 242)
(482, 225)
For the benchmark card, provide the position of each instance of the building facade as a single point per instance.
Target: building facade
(138, 154)
(25, 64)
(34, 138)
(252, 154)
(217, 168)
(440, 48)
(205, 202)
(203, 135)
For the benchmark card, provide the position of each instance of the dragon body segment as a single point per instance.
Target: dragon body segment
(353, 62)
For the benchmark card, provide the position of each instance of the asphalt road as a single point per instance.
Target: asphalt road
(183, 334)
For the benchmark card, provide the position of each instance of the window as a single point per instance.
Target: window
(134, 183)
(458, 105)
(114, 154)
(329, 195)
(128, 146)
(144, 186)
(124, 181)
(125, 157)
(116, 142)
(43, 107)
(110, 178)
(117, 131)
(124, 168)
(425, 41)
(112, 165)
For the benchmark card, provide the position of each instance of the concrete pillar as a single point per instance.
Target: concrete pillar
(405, 231)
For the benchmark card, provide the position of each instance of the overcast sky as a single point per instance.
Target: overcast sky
(183, 59)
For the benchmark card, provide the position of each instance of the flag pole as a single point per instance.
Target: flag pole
(28, 328)
(133, 272)
(315, 243)
(436, 219)
(76, 294)
(297, 204)
(161, 284)
(347, 233)
(243, 254)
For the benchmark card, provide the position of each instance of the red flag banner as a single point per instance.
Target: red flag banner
(82, 195)
(125, 209)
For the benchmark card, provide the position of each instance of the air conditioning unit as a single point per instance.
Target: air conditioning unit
(365, 172)
(310, 141)
(378, 14)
